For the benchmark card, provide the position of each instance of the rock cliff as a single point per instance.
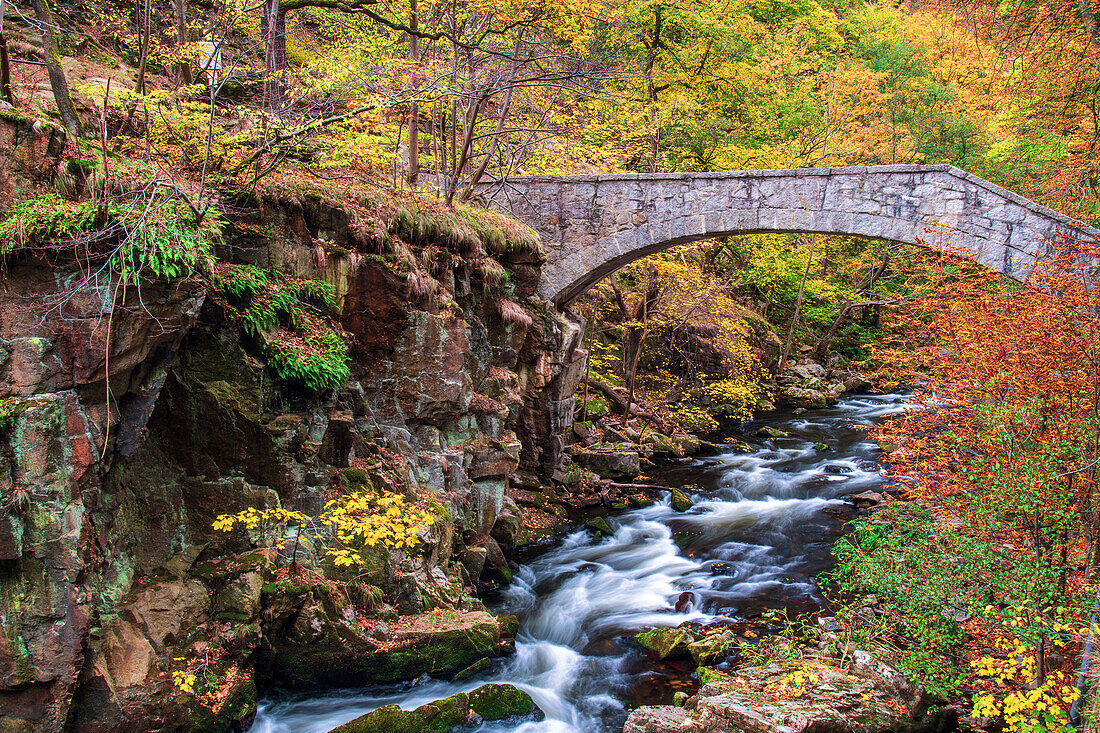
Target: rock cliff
(139, 414)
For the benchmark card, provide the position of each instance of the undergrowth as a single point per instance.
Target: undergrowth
(157, 238)
(290, 319)
(918, 579)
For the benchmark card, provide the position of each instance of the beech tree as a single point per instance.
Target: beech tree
(52, 57)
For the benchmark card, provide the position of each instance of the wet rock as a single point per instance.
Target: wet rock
(337, 653)
(479, 666)
(666, 642)
(852, 381)
(681, 502)
(768, 431)
(500, 701)
(803, 397)
(600, 525)
(489, 702)
(711, 648)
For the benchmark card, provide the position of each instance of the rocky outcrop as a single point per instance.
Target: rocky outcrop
(794, 697)
(65, 341)
(145, 413)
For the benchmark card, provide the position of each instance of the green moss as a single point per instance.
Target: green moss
(599, 525)
(355, 478)
(496, 702)
(681, 502)
(664, 641)
(491, 702)
(10, 410)
(285, 588)
(479, 666)
(81, 166)
(440, 716)
(708, 675)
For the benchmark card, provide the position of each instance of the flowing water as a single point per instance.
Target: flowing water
(762, 527)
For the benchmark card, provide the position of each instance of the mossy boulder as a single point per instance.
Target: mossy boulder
(681, 502)
(338, 653)
(666, 642)
(663, 444)
(477, 667)
(610, 463)
(489, 702)
(599, 525)
(688, 444)
(497, 702)
(711, 648)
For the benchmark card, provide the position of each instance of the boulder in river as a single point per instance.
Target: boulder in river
(803, 396)
(488, 702)
(666, 642)
(337, 653)
(681, 502)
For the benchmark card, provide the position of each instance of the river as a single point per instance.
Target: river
(762, 528)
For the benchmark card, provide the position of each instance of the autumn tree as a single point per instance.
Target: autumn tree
(677, 329)
(1004, 440)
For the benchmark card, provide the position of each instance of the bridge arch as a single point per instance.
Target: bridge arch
(593, 225)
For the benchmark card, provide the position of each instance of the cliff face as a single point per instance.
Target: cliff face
(144, 413)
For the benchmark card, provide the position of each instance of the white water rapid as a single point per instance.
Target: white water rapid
(762, 527)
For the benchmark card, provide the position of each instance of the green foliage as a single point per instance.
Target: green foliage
(156, 238)
(290, 319)
(920, 577)
(242, 283)
(36, 220)
(161, 239)
(10, 410)
(320, 363)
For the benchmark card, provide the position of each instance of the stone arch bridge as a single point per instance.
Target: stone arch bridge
(593, 225)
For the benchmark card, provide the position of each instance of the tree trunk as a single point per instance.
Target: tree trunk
(180, 9)
(273, 32)
(58, 82)
(145, 25)
(5, 69)
(822, 349)
(414, 107)
(797, 306)
(651, 89)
